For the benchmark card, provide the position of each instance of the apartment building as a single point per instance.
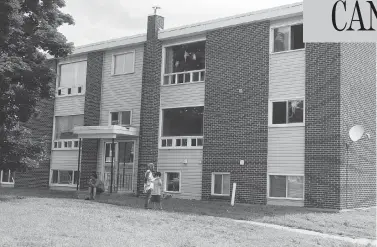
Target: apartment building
(235, 100)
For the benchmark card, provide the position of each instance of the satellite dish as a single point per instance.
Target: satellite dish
(356, 133)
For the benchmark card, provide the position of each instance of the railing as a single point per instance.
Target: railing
(182, 142)
(121, 181)
(184, 77)
(66, 144)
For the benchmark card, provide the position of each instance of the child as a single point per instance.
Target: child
(148, 184)
(156, 192)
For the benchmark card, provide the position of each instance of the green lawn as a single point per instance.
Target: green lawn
(358, 224)
(69, 222)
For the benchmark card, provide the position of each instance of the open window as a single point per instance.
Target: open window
(220, 184)
(173, 182)
(120, 118)
(287, 112)
(182, 127)
(64, 177)
(288, 187)
(185, 63)
(288, 38)
(64, 128)
(72, 78)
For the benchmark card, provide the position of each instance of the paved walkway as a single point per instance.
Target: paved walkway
(361, 241)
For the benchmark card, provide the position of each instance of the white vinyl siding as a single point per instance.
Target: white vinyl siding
(64, 160)
(191, 173)
(182, 95)
(65, 106)
(121, 92)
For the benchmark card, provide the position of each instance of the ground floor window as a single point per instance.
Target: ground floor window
(7, 176)
(172, 181)
(64, 177)
(220, 184)
(290, 187)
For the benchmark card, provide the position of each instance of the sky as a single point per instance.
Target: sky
(99, 20)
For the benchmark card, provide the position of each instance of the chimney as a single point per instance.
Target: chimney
(155, 23)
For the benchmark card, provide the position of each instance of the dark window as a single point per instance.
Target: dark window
(297, 37)
(279, 112)
(55, 175)
(296, 111)
(186, 121)
(126, 117)
(69, 90)
(277, 186)
(115, 118)
(64, 126)
(79, 90)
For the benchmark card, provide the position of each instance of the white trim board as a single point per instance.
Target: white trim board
(280, 12)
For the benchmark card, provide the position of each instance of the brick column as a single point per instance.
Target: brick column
(150, 98)
(92, 109)
(236, 122)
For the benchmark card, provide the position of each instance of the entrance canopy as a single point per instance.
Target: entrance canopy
(108, 132)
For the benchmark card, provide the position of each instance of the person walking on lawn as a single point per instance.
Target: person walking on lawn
(148, 184)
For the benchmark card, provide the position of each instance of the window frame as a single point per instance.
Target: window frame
(175, 137)
(270, 112)
(213, 183)
(171, 44)
(63, 185)
(133, 52)
(116, 147)
(120, 117)
(272, 38)
(286, 186)
(2, 174)
(58, 79)
(166, 180)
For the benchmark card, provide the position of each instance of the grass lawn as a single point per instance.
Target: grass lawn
(69, 222)
(358, 224)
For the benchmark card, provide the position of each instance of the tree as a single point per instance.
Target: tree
(28, 31)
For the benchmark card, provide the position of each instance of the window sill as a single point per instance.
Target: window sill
(172, 192)
(218, 195)
(185, 83)
(7, 183)
(286, 198)
(64, 149)
(289, 51)
(129, 73)
(181, 148)
(70, 95)
(63, 185)
(286, 125)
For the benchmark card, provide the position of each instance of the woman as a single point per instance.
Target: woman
(148, 183)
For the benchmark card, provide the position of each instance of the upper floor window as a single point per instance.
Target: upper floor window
(185, 125)
(288, 38)
(123, 63)
(185, 63)
(64, 126)
(120, 118)
(72, 78)
(287, 112)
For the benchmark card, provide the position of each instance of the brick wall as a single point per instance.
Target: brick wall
(358, 106)
(236, 123)
(92, 109)
(41, 127)
(322, 126)
(150, 98)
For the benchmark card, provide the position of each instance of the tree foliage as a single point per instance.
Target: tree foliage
(28, 32)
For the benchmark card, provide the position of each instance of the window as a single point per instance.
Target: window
(72, 75)
(186, 121)
(120, 118)
(291, 187)
(64, 126)
(65, 177)
(108, 152)
(172, 182)
(7, 176)
(123, 63)
(287, 112)
(221, 184)
(288, 38)
(185, 63)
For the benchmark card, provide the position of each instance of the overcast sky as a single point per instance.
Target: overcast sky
(98, 20)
